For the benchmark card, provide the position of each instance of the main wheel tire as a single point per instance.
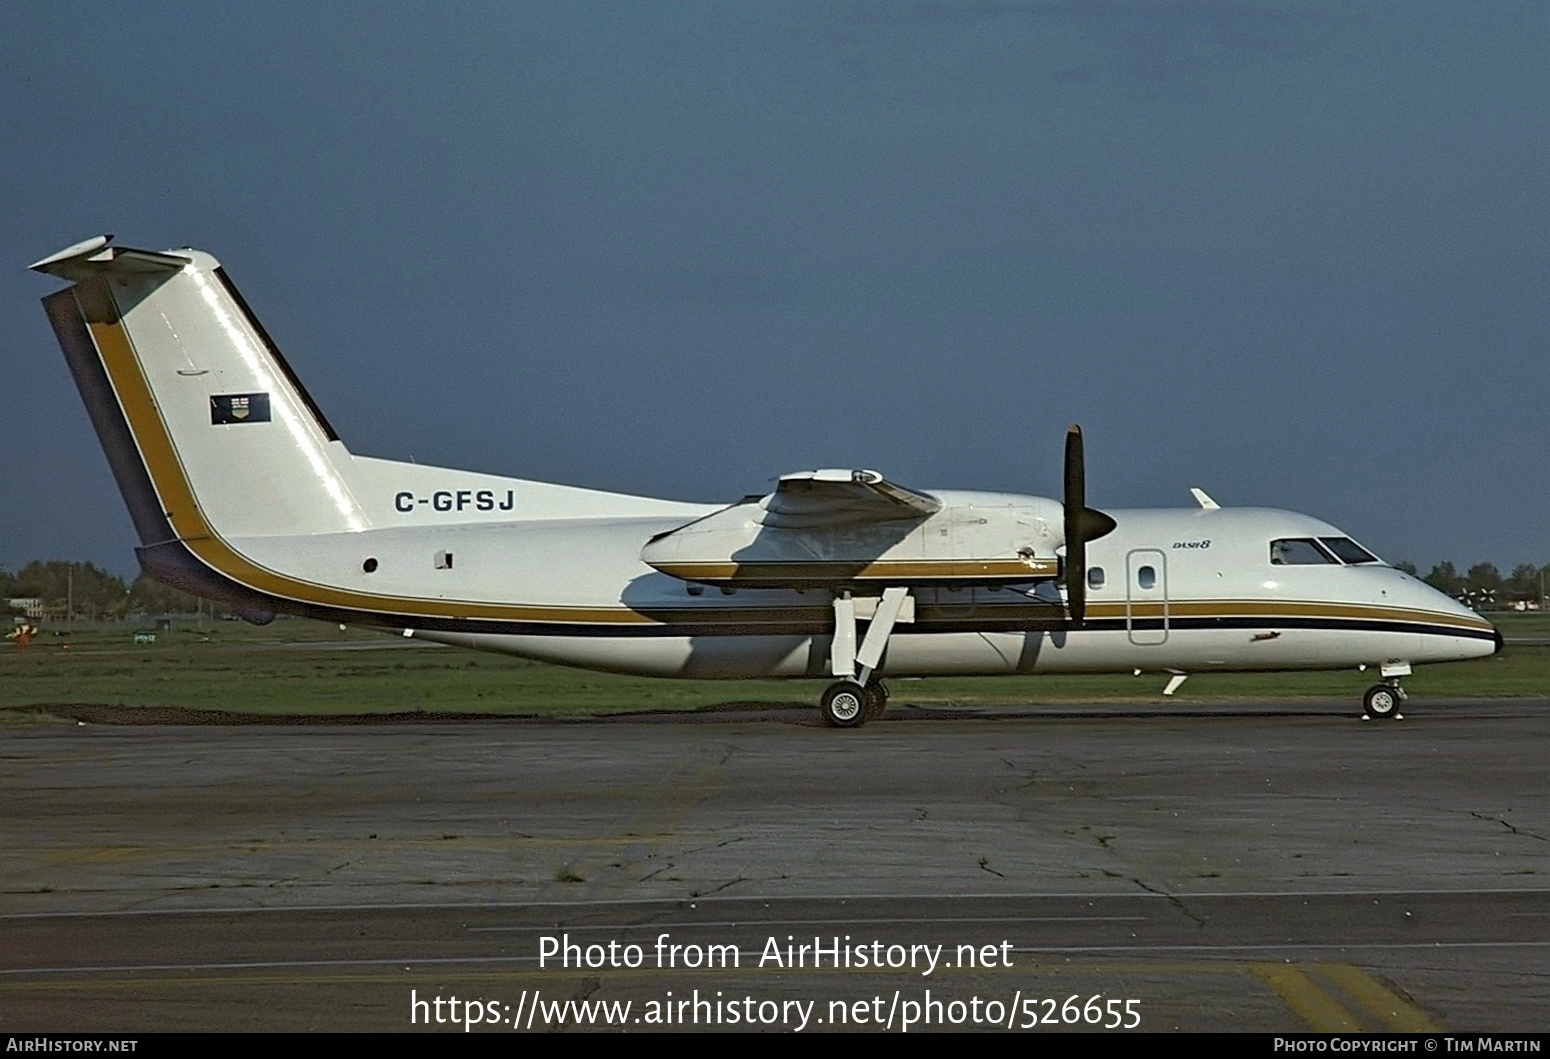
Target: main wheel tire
(1381, 702)
(876, 700)
(844, 705)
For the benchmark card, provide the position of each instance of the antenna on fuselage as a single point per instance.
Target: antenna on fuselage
(1204, 500)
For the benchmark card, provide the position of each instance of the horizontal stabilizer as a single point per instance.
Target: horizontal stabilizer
(91, 256)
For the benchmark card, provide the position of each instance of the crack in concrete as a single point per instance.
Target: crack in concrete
(1174, 901)
(723, 886)
(1515, 830)
(653, 874)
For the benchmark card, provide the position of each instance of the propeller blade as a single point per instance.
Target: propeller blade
(1074, 501)
(1082, 524)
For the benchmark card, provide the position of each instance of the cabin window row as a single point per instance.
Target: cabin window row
(1288, 551)
(1146, 577)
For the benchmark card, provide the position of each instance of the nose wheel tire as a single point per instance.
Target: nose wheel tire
(1382, 702)
(844, 705)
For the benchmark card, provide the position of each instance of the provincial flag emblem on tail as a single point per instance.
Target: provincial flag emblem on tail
(239, 408)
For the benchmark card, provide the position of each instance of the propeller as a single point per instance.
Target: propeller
(1082, 524)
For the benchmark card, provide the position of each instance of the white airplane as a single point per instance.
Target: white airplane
(241, 491)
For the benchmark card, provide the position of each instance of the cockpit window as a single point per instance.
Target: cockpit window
(1299, 551)
(1348, 551)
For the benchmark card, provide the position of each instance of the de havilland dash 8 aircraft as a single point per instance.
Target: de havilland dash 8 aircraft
(241, 491)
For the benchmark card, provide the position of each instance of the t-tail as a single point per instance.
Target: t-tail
(232, 474)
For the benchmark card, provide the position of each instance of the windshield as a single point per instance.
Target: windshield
(1348, 551)
(1299, 551)
(1323, 551)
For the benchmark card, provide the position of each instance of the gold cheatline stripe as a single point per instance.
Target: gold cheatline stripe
(1278, 609)
(194, 531)
(882, 568)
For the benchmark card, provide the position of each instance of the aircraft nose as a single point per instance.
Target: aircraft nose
(1500, 643)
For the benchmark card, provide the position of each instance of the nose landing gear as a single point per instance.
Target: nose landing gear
(1382, 701)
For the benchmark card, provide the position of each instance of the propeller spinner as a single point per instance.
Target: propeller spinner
(1082, 524)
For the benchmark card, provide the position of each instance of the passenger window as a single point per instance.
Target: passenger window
(1146, 577)
(1299, 551)
(1095, 577)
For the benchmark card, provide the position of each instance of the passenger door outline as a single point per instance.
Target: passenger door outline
(1144, 606)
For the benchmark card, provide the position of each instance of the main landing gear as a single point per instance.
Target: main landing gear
(850, 705)
(860, 696)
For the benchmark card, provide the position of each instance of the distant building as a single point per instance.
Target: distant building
(31, 606)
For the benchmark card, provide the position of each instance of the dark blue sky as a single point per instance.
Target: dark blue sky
(1297, 254)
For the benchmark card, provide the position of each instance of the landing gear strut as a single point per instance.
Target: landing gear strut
(1382, 701)
(861, 697)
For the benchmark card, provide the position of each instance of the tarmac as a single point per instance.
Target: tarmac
(1275, 866)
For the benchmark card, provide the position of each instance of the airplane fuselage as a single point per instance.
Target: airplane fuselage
(1190, 591)
(240, 490)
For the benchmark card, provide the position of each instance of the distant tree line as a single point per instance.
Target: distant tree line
(1484, 587)
(85, 590)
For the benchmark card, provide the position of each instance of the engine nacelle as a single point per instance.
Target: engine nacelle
(785, 540)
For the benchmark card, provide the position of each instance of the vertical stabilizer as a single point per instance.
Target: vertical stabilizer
(208, 431)
(239, 488)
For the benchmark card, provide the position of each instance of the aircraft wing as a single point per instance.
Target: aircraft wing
(817, 528)
(839, 497)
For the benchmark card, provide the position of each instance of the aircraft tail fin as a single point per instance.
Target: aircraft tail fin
(206, 427)
(238, 486)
